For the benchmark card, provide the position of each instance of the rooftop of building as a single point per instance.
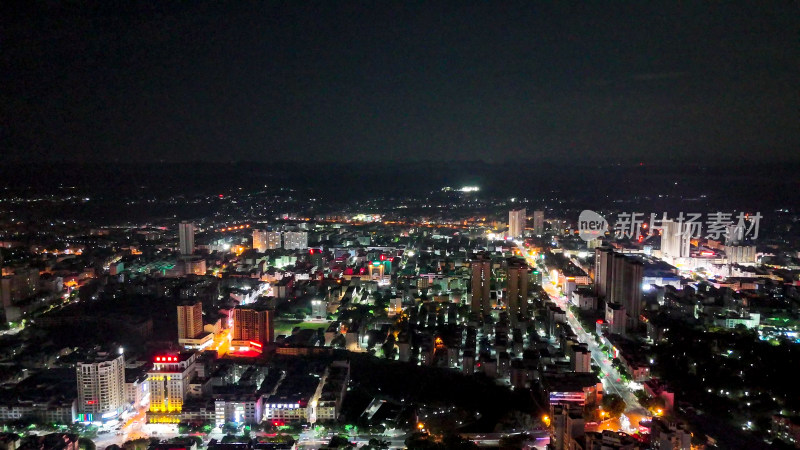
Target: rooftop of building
(568, 381)
(94, 355)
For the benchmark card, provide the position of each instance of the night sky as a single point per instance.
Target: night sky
(399, 81)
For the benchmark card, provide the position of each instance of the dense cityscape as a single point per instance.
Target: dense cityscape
(453, 318)
(253, 225)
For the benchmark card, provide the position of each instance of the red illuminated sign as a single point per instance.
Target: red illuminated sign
(166, 359)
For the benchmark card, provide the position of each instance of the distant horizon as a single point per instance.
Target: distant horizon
(583, 163)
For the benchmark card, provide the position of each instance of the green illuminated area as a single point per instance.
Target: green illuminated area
(161, 266)
(285, 327)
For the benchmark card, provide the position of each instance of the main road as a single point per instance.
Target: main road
(612, 382)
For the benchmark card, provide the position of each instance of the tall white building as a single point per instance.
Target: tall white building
(675, 239)
(186, 237)
(295, 240)
(516, 223)
(101, 386)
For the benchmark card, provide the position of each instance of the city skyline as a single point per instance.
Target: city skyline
(318, 224)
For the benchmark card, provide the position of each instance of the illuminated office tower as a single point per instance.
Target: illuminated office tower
(516, 223)
(186, 237)
(168, 382)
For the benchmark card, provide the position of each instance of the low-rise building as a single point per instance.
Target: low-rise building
(331, 391)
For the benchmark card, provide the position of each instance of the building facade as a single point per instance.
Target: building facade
(186, 238)
(481, 283)
(516, 223)
(101, 386)
(253, 323)
(538, 223)
(675, 239)
(517, 290)
(168, 383)
(190, 320)
(295, 240)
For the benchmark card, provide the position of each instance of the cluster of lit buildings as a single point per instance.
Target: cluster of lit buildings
(466, 302)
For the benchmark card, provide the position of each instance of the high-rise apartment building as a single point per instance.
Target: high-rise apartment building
(626, 287)
(253, 323)
(190, 320)
(602, 270)
(675, 239)
(295, 240)
(186, 238)
(264, 240)
(538, 223)
(618, 279)
(517, 289)
(481, 282)
(516, 223)
(260, 240)
(101, 386)
(273, 240)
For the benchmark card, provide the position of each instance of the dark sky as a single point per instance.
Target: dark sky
(395, 81)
